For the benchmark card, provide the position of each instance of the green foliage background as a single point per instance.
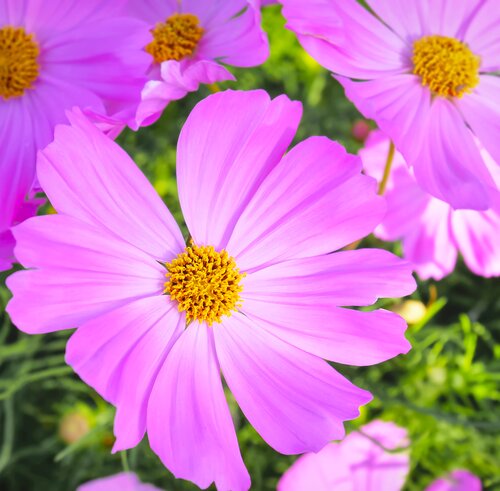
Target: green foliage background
(445, 391)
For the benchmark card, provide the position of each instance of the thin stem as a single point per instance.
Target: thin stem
(123, 455)
(8, 439)
(387, 169)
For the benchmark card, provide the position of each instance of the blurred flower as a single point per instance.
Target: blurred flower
(360, 130)
(256, 294)
(73, 427)
(458, 480)
(431, 230)
(190, 40)
(424, 71)
(54, 55)
(126, 481)
(412, 311)
(363, 461)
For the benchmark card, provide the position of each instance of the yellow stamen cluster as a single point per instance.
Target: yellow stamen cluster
(175, 39)
(205, 283)
(446, 65)
(18, 61)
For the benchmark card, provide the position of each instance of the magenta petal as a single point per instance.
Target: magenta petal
(314, 202)
(477, 235)
(84, 271)
(481, 111)
(406, 201)
(189, 424)
(228, 145)
(346, 278)
(296, 401)
(449, 165)
(351, 337)
(88, 176)
(345, 38)
(236, 39)
(120, 353)
(430, 247)
(458, 480)
(177, 79)
(400, 106)
(358, 463)
(125, 481)
(7, 243)
(482, 34)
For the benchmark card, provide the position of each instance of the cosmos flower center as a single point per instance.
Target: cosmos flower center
(18, 61)
(446, 65)
(205, 283)
(175, 39)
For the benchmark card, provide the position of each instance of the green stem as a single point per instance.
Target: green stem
(8, 439)
(123, 455)
(387, 169)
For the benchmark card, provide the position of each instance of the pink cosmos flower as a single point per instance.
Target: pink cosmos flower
(190, 40)
(56, 54)
(424, 71)
(125, 481)
(255, 294)
(361, 462)
(431, 230)
(459, 480)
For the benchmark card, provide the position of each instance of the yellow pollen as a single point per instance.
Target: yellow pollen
(18, 61)
(446, 65)
(175, 39)
(205, 283)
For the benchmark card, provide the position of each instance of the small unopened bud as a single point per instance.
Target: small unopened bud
(412, 311)
(73, 427)
(360, 130)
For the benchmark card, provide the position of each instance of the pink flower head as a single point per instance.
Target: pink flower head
(459, 480)
(125, 481)
(431, 230)
(255, 294)
(372, 459)
(190, 41)
(424, 71)
(54, 55)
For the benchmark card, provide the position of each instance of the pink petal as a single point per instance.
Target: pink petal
(449, 165)
(347, 278)
(237, 39)
(83, 271)
(7, 243)
(120, 353)
(358, 463)
(17, 169)
(482, 34)
(296, 401)
(314, 202)
(125, 481)
(400, 106)
(477, 235)
(228, 145)
(88, 176)
(458, 480)
(316, 471)
(178, 78)
(345, 38)
(407, 18)
(406, 201)
(345, 336)
(189, 424)
(431, 247)
(481, 111)
(152, 11)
